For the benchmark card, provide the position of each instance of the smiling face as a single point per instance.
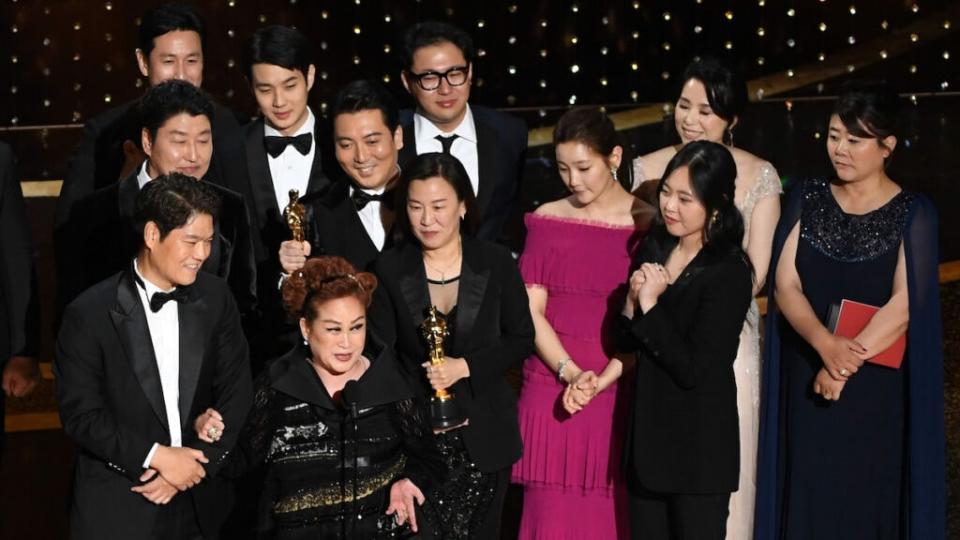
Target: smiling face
(281, 95)
(183, 144)
(694, 117)
(855, 158)
(175, 55)
(365, 148)
(683, 213)
(586, 173)
(337, 335)
(434, 212)
(446, 105)
(176, 259)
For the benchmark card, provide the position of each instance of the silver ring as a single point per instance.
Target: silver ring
(213, 432)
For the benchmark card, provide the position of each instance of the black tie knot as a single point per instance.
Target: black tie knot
(276, 145)
(361, 198)
(179, 295)
(446, 142)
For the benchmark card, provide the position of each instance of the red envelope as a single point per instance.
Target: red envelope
(849, 318)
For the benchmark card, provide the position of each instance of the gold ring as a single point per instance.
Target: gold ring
(844, 372)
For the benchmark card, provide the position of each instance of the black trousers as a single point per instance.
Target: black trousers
(673, 516)
(177, 520)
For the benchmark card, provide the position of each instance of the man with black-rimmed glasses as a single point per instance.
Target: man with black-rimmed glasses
(438, 73)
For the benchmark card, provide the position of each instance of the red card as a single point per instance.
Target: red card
(852, 317)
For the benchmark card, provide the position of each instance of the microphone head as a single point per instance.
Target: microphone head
(351, 392)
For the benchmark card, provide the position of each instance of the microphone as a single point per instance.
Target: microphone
(351, 394)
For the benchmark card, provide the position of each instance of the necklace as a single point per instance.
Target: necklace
(443, 271)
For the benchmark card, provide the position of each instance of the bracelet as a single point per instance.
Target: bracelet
(560, 368)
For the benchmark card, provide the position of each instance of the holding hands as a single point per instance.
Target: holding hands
(842, 357)
(293, 255)
(646, 285)
(826, 386)
(580, 391)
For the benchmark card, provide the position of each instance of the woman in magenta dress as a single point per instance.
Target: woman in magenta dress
(578, 251)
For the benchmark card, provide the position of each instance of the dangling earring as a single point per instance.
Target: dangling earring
(613, 172)
(305, 340)
(713, 220)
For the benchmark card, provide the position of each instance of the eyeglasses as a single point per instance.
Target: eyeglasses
(455, 76)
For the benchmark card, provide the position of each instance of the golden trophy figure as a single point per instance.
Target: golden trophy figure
(444, 410)
(293, 213)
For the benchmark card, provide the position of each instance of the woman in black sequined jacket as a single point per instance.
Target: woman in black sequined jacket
(346, 451)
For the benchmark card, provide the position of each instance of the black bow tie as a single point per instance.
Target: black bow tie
(179, 295)
(276, 145)
(361, 198)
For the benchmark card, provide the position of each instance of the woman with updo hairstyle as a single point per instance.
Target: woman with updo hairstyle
(346, 449)
(476, 287)
(683, 316)
(578, 251)
(852, 439)
(708, 108)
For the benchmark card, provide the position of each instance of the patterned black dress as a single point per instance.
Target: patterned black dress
(314, 457)
(844, 461)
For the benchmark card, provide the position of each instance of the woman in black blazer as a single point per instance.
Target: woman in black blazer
(477, 285)
(686, 306)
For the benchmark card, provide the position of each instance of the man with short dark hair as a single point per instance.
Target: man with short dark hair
(278, 152)
(438, 73)
(354, 219)
(171, 46)
(177, 137)
(138, 357)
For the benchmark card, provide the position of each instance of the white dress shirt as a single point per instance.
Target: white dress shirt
(164, 327)
(464, 146)
(143, 177)
(291, 169)
(370, 217)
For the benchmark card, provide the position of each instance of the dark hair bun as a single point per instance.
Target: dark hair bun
(325, 278)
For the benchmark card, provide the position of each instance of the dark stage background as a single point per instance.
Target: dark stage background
(64, 61)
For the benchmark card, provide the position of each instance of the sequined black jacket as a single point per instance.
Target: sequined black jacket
(314, 456)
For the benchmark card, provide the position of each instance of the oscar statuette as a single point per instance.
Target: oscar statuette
(444, 409)
(293, 213)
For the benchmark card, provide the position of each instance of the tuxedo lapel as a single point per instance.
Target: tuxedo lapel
(130, 322)
(409, 151)
(413, 283)
(127, 195)
(474, 277)
(261, 182)
(193, 318)
(488, 163)
(318, 180)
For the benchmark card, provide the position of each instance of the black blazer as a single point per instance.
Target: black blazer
(98, 158)
(683, 434)
(493, 331)
(501, 152)
(19, 316)
(101, 239)
(111, 402)
(248, 173)
(334, 227)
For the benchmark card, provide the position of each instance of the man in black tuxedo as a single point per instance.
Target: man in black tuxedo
(139, 357)
(171, 46)
(19, 318)
(278, 152)
(438, 73)
(176, 135)
(354, 219)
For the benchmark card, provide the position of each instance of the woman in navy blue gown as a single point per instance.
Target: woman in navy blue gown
(850, 449)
